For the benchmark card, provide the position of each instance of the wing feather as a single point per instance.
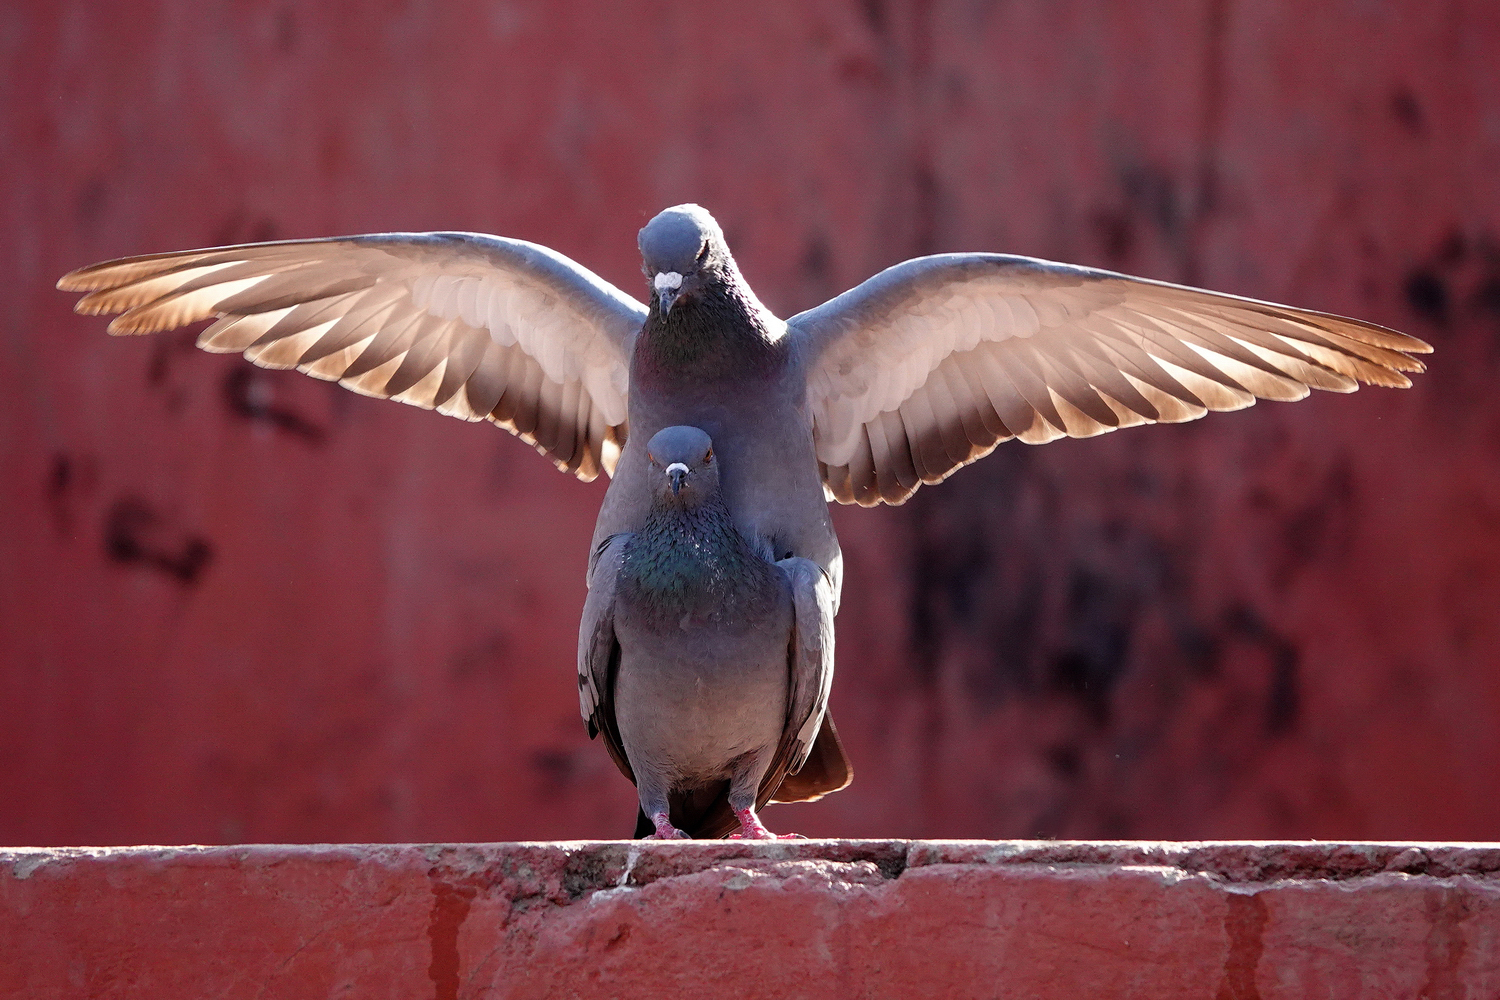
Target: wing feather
(931, 363)
(474, 326)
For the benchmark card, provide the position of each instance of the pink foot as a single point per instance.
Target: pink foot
(665, 830)
(751, 828)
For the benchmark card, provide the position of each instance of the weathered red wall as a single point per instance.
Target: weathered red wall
(238, 605)
(856, 920)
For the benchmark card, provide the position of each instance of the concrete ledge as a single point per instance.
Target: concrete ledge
(841, 919)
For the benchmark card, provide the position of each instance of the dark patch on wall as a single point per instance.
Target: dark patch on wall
(286, 30)
(91, 201)
(1487, 295)
(1427, 294)
(1008, 593)
(487, 660)
(1115, 229)
(1318, 527)
(1309, 531)
(59, 475)
(1283, 694)
(1154, 194)
(1153, 200)
(1452, 251)
(976, 589)
(1284, 700)
(927, 210)
(134, 533)
(248, 394)
(945, 575)
(1014, 638)
(556, 769)
(1097, 632)
(68, 477)
(957, 92)
(875, 16)
(1457, 288)
(1066, 761)
(167, 348)
(817, 265)
(1407, 111)
(1194, 643)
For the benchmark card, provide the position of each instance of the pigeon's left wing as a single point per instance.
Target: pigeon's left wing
(475, 326)
(599, 651)
(928, 365)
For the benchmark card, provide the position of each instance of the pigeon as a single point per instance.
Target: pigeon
(896, 383)
(705, 664)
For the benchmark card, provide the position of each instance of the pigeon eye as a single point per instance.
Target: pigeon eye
(708, 456)
(703, 254)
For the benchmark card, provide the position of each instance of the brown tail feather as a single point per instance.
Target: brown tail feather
(827, 769)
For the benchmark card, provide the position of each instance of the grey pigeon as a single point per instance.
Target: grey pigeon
(900, 381)
(705, 664)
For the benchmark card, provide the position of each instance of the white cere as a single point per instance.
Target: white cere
(675, 466)
(667, 279)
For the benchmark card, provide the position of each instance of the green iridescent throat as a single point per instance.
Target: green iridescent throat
(688, 558)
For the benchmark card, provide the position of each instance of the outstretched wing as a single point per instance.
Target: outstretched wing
(478, 327)
(931, 363)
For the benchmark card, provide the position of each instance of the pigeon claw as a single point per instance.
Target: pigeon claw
(665, 830)
(751, 828)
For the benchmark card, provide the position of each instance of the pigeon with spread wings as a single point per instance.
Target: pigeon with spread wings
(898, 382)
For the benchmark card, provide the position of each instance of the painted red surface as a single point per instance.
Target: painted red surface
(238, 605)
(831, 918)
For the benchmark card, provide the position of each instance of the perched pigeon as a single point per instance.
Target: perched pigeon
(705, 664)
(922, 369)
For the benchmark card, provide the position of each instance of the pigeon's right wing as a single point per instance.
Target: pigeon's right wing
(811, 671)
(929, 364)
(475, 326)
(599, 651)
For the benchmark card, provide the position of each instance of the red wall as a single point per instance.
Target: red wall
(856, 920)
(238, 605)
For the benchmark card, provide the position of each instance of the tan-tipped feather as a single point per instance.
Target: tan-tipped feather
(344, 310)
(1047, 350)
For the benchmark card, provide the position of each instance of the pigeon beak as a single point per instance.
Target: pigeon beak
(677, 473)
(668, 285)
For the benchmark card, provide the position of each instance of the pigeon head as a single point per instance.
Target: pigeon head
(683, 469)
(681, 249)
